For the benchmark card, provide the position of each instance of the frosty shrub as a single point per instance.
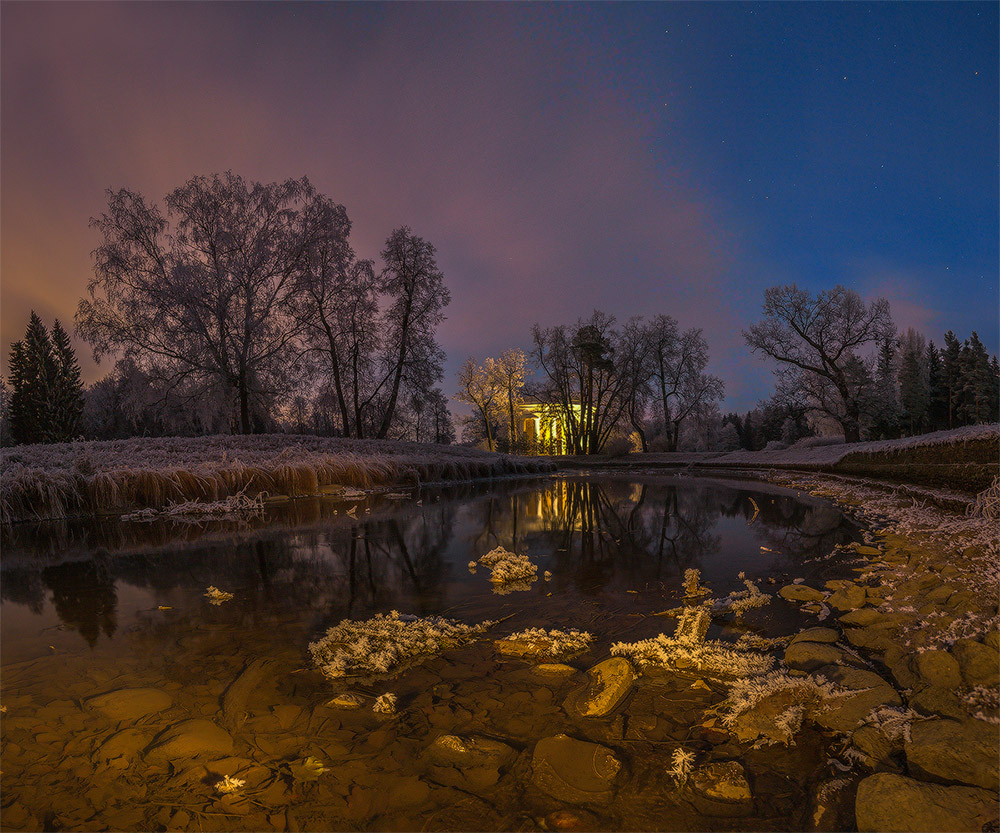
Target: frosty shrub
(780, 702)
(692, 588)
(385, 704)
(385, 642)
(507, 568)
(553, 644)
(682, 762)
(687, 649)
(740, 601)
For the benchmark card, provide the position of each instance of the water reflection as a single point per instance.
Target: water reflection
(311, 562)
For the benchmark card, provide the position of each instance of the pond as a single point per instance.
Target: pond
(92, 608)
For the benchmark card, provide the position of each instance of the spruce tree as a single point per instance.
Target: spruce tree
(33, 380)
(937, 409)
(913, 386)
(975, 382)
(67, 396)
(951, 356)
(886, 416)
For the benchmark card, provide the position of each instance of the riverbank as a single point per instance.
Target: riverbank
(67, 479)
(964, 459)
(922, 616)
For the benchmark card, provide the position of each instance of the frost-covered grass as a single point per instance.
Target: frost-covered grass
(59, 480)
(386, 643)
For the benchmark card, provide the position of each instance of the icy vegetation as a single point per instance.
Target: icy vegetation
(682, 762)
(783, 701)
(386, 643)
(509, 571)
(740, 601)
(193, 510)
(385, 704)
(692, 586)
(216, 596)
(552, 644)
(62, 479)
(688, 650)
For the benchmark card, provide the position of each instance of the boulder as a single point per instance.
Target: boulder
(808, 656)
(574, 771)
(191, 739)
(721, 789)
(131, 703)
(979, 664)
(862, 618)
(844, 714)
(938, 701)
(608, 684)
(875, 746)
(801, 593)
(938, 668)
(954, 751)
(889, 803)
(848, 598)
(815, 635)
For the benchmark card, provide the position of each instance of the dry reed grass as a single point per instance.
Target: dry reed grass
(61, 480)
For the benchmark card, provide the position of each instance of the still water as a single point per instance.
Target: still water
(107, 605)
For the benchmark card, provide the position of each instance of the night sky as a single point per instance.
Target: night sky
(638, 158)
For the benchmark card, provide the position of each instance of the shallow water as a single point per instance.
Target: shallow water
(91, 608)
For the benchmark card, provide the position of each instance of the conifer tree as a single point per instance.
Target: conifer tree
(950, 369)
(975, 383)
(32, 379)
(67, 395)
(937, 409)
(886, 416)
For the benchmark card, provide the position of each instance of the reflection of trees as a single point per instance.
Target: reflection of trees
(24, 587)
(84, 597)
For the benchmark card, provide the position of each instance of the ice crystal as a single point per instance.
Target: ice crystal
(892, 721)
(229, 784)
(216, 596)
(740, 601)
(382, 644)
(385, 704)
(682, 763)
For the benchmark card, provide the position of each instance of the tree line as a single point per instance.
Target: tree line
(229, 302)
(643, 380)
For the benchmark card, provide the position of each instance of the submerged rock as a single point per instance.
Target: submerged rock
(347, 700)
(850, 597)
(808, 656)
(608, 685)
(191, 739)
(470, 751)
(124, 745)
(554, 669)
(131, 703)
(721, 789)
(949, 750)
(889, 803)
(815, 635)
(801, 593)
(574, 771)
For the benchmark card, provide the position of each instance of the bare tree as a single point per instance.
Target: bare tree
(680, 385)
(509, 371)
(414, 284)
(583, 380)
(203, 296)
(477, 387)
(820, 338)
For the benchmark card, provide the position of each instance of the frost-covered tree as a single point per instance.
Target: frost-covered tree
(477, 387)
(509, 372)
(817, 343)
(201, 297)
(417, 296)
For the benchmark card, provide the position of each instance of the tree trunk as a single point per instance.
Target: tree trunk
(245, 426)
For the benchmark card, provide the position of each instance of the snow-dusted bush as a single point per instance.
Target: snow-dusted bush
(386, 642)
